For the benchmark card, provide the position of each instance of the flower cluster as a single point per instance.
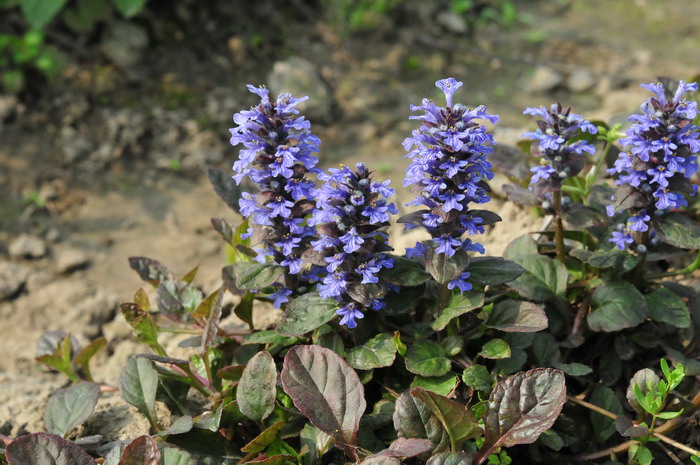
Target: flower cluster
(560, 157)
(449, 169)
(655, 172)
(277, 153)
(351, 212)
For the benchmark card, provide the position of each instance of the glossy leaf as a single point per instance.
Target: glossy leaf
(414, 419)
(138, 384)
(678, 230)
(616, 305)
(141, 451)
(442, 385)
(327, 391)
(70, 407)
(39, 13)
(252, 276)
(451, 458)
(459, 305)
(523, 245)
(515, 316)
(177, 300)
(454, 417)
(521, 407)
(258, 387)
(264, 439)
(478, 377)
(621, 260)
(405, 272)
(443, 268)
(493, 271)
(543, 278)
(315, 441)
(173, 456)
(666, 307)
(213, 317)
(574, 369)
(427, 358)
(495, 349)
(306, 313)
(180, 426)
(378, 352)
(43, 448)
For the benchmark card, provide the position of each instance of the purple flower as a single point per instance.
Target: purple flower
(352, 241)
(333, 285)
(368, 271)
(461, 283)
(446, 244)
(452, 201)
(541, 172)
(280, 296)
(621, 239)
(639, 221)
(350, 313)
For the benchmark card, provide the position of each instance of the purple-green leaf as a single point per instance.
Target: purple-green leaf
(43, 448)
(454, 417)
(444, 268)
(521, 407)
(264, 439)
(514, 316)
(258, 387)
(151, 271)
(451, 458)
(414, 419)
(407, 447)
(141, 451)
(327, 391)
(69, 407)
(138, 384)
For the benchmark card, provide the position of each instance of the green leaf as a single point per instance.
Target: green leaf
(244, 309)
(269, 336)
(264, 439)
(427, 358)
(180, 426)
(173, 456)
(647, 380)
(327, 391)
(306, 313)
(574, 369)
(543, 278)
(254, 276)
(138, 384)
(665, 306)
(43, 448)
(523, 245)
(442, 385)
(60, 359)
(70, 407)
(493, 271)
(617, 305)
(142, 324)
(678, 230)
(545, 349)
(454, 417)
(316, 441)
(621, 260)
(444, 268)
(141, 451)
(521, 407)
(604, 427)
(477, 377)
(378, 352)
(258, 387)
(39, 13)
(129, 8)
(451, 458)
(515, 316)
(405, 272)
(414, 419)
(82, 359)
(459, 305)
(495, 349)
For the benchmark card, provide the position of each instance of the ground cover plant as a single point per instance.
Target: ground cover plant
(577, 345)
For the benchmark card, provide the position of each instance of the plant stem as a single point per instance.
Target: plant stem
(687, 270)
(591, 178)
(443, 302)
(558, 226)
(593, 407)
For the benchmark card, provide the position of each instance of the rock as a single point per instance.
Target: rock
(70, 259)
(23, 400)
(220, 104)
(12, 278)
(544, 79)
(27, 246)
(124, 43)
(452, 22)
(300, 77)
(581, 80)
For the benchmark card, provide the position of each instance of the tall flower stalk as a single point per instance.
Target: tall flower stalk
(277, 154)
(351, 213)
(562, 155)
(654, 174)
(448, 170)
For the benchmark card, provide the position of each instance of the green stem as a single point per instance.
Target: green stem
(687, 270)
(593, 175)
(558, 226)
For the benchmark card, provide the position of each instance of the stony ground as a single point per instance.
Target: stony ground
(110, 163)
